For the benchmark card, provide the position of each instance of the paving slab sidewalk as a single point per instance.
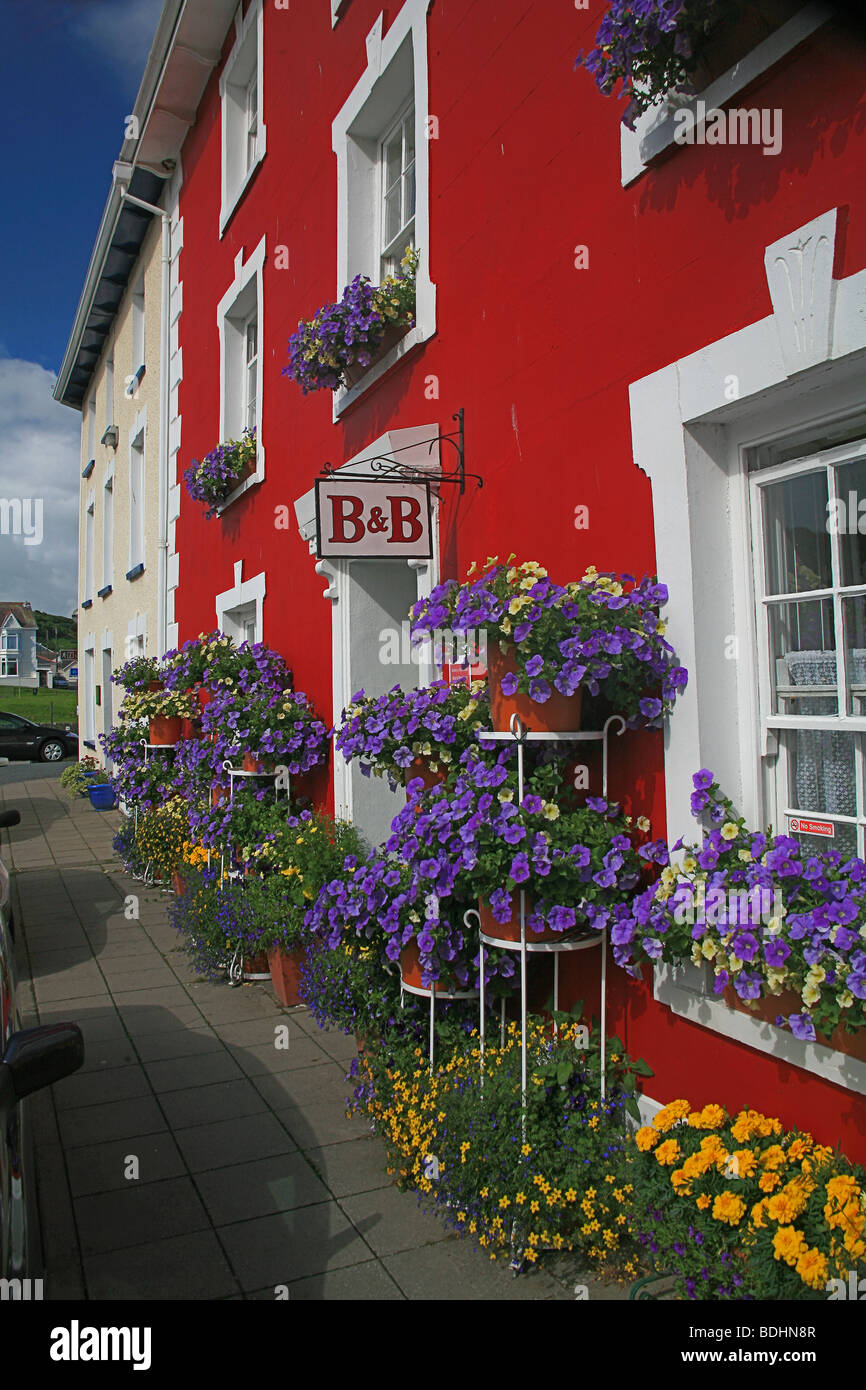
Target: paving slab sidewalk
(191, 1158)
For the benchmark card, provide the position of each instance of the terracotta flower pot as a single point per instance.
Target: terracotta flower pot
(285, 968)
(165, 729)
(767, 1010)
(178, 884)
(190, 729)
(559, 714)
(252, 764)
(256, 967)
(392, 335)
(218, 796)
(420, 767)
(156, 685)
(410, 971)
(510, 930)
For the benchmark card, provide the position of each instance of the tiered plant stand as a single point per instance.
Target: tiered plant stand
(147, 877)
(235, 967)
(432, 993)
(517, 734)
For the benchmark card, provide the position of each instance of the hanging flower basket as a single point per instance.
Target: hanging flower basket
(510, 930)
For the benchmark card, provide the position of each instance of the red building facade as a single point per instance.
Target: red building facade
(644, 337)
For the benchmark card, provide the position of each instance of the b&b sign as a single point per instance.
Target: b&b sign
(375, 519)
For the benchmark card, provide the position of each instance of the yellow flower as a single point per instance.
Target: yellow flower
(728, 1207)
(668, 1152)
(670, 1115)
(703, 1201)
(646, 1138)
(730, 831)
(788, 1245)
(812, 1268)
(711, 1117)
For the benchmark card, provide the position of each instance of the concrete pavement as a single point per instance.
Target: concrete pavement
(191, 1158)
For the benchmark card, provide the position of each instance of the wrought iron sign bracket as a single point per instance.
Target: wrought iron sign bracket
(386, 468)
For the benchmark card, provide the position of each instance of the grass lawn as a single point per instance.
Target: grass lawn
(43, 706)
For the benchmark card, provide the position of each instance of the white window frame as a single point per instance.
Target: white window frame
(136, 636)
(91, 428)
(655, 130)
(236, 605)
(774, 724)
(89, 545)
(138, 508)
(396, 73)
(108, 529)
(693, 425)
(392, 251)
(245, 61)
(242, 300)
(109, 388)
(138, 321)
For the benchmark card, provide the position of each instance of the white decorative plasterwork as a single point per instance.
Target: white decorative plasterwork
(693, 421)
(800, 279)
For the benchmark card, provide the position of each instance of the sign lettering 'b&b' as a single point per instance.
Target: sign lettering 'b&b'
(375, 519)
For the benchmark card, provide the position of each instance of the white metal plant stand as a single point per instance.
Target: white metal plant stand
(521, 736)
(235, 967)
(147, 877)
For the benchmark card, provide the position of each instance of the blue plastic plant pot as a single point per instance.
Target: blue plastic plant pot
(101, 796)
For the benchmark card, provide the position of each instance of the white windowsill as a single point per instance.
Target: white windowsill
(655, 129)
(344, 398)
(248, 483)
(713, 1013)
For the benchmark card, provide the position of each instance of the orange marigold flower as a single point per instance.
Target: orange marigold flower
(729, 1207)
(668, 1152)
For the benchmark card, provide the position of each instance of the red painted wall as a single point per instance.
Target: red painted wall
(540, 354)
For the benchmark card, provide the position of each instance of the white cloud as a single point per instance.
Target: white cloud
(121, 33)
(39, 459)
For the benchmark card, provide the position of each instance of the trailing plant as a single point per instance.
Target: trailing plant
(212, 478)
(137, 673)
(389, 733)
(74, 779)
(767, 912)
(349, 332)
(652, 46)
(162, 834)
(516, 1183)
(602, 633)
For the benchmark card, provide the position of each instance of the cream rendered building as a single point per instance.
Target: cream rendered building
(123, 367)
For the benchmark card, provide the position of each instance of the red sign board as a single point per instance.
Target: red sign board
(372, 519)
(799, 825)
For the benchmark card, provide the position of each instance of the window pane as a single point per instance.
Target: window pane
(409, 192)
(393, 161)
(252, 337)
(854, 618)
(393, 219)
(851, 492)
(803, 657)
(821, 775)
(409, 135)
(796, 537)
(845, 841)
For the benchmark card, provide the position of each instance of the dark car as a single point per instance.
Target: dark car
(22, 739)
(29, 1059)
(61, 683)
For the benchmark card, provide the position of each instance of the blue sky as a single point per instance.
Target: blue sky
(69, 74)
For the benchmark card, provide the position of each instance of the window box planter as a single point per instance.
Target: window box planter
(735, 35)
(393, 334)
(768, 1009)
(213, 479)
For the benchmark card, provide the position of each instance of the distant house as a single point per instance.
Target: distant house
(18, 665)
(47, 664)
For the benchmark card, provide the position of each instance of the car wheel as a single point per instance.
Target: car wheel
(52, 751)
